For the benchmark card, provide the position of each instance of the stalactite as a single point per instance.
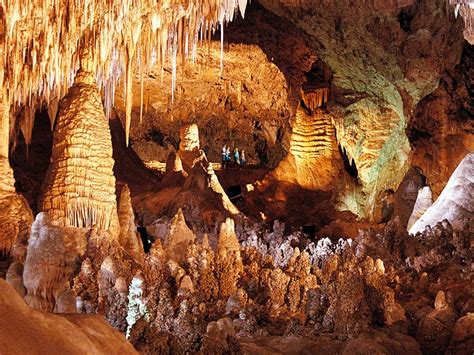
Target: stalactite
(43, 41)
(316, 98)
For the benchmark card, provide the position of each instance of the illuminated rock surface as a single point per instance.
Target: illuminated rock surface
(79, 189)
(456, 202)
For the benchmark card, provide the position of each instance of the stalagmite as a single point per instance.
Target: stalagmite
(47, 264)
(456, 202)
(79, 189)
(189, 148)
(129, 238)
(423, 201)
(178, 238)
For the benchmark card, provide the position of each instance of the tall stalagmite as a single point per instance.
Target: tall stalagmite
(79, 189)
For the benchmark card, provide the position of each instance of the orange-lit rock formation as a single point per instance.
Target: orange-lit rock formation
(314, 160)
(79, 189)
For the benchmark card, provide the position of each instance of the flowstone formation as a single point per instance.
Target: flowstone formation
(79, 188)
(313, 161)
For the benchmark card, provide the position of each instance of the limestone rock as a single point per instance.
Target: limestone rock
(16, 218)
(406, 195)
(434, 330)
(14, 277)
(227, 240)
(26, 330)
(462, 339)
(189, 145)
(178, 238)
(79, 189)
(456, 202)
(313, 160)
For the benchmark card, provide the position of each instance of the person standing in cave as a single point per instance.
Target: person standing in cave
(224, 156)
(236, 156)
(227, 156)
(242, 157)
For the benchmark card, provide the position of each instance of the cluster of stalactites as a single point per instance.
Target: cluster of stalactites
(43, 40)
(465, 8)
(316, 98)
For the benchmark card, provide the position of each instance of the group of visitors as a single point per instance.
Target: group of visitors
(239, 156)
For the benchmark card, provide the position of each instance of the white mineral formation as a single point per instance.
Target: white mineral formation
(47, 264)
(456, 202)
(136, 304)
(79, 189)
(423, 201)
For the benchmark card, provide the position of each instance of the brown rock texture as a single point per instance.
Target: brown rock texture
(15, 214)
(250, 95)
(441, 130)
(178, 237)
(26, 330)
(48, 264)
(79, 189)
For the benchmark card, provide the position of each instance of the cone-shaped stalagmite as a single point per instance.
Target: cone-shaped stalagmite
(79, 190)
(129, 238)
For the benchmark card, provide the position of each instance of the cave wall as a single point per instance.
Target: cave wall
(385, 57)
(442, 127)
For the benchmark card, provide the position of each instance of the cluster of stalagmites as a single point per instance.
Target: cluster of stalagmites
(186, 295)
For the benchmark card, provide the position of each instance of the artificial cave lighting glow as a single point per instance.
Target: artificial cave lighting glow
(43, 41)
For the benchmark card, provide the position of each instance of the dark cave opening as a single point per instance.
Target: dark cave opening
(349, 166)
(144, 236)
(30, 162)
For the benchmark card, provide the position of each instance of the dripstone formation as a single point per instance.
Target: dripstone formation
(79, 189)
